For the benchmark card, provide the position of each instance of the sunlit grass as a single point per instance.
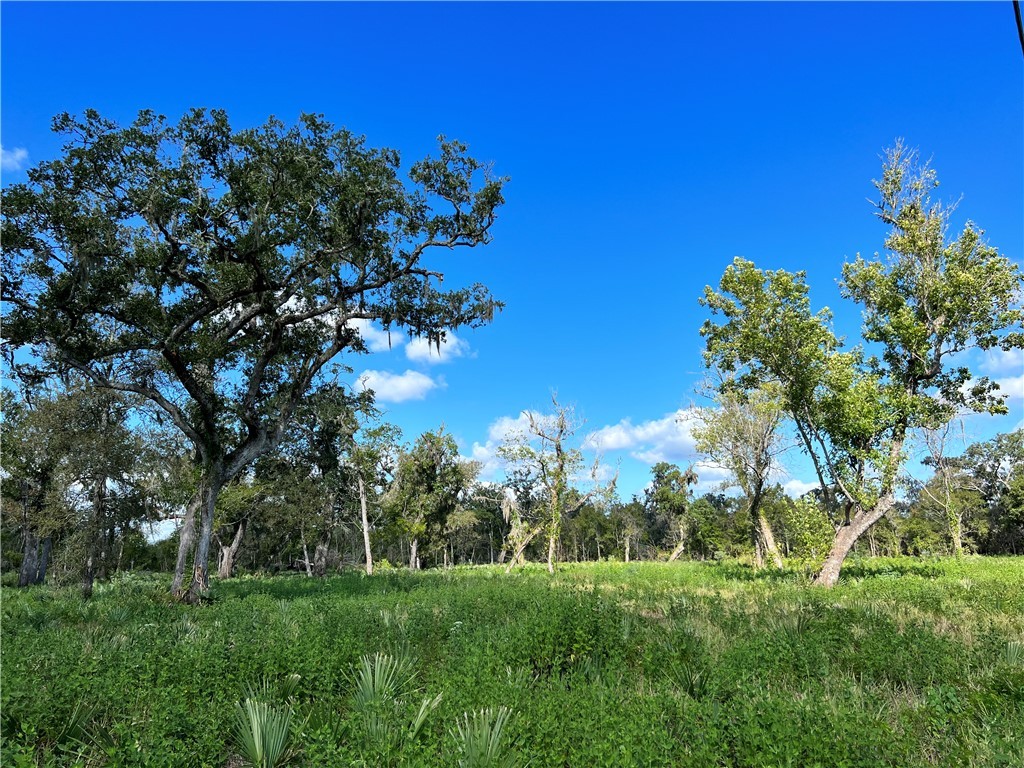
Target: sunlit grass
(905, 662)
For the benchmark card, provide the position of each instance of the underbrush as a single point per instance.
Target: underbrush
(905, 663)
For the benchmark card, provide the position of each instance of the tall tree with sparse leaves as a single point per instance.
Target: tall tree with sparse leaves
(742, 435)
(927, 299)
(545, 454)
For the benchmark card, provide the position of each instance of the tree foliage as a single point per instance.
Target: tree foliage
(218, 273)
(928, 299)
(430, 482)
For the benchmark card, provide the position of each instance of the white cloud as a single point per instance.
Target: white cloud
(505, 426)
(796, 488)
(13, 159)
(376, 339)
(397, 387)
(1003, 361)
(1012, 387)
(711, 477)
(664, 439)
(421, 350)
(500, 429)
(1005, 368)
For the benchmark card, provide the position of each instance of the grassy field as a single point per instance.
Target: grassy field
(905, 663)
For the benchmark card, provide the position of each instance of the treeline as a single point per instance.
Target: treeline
(181, 302)
(92, 479)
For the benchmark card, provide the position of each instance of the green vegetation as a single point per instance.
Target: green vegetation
(906, 662)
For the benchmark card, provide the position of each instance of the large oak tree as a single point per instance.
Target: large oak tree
(218, 273)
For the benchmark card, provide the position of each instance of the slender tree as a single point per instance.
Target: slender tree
(929, 299)
(547, 456)
(218, 273)
(370, 463)
(742, 434)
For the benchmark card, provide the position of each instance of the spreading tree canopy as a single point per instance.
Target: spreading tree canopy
(220, 273)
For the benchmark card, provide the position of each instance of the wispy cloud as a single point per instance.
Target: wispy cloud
(1011, 386)
(397, 387)
(422, 350)
(13, 159)
(1004, 367)
(711, 478)
(795, 488)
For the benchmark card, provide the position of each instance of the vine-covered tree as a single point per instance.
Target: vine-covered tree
(218, 273)
(927, 300)
(544, 453)
(430, 480)
(666, 501)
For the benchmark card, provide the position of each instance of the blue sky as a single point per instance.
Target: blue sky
(648, 144)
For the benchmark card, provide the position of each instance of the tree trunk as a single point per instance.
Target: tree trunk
(200, 583)
(186, 537)
(517, 555)
(552, 539)
(677, 551)
(44, 560)
(366, 527)
(414, 561)
(320, 555)
(846, 537)
(227, 554)
(305, 556)
(105, 538)
(628, 538)
(956, 532)
(93, 533)
(30, 560)
(768, 541)
(761, 532)
(88, 572)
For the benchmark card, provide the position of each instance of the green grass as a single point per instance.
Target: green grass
(905, 663)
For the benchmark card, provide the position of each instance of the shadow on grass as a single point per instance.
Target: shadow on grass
(295, 586)
(892, 568)
(738, 571)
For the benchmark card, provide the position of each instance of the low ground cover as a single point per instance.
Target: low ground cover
(905, 663)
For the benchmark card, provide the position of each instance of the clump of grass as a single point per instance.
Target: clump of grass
(1013, 653)
(380, 684)
(792, 621)
(263, 721)
(380, 678)
(262, 732)
(691, 678)
(480, 736)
